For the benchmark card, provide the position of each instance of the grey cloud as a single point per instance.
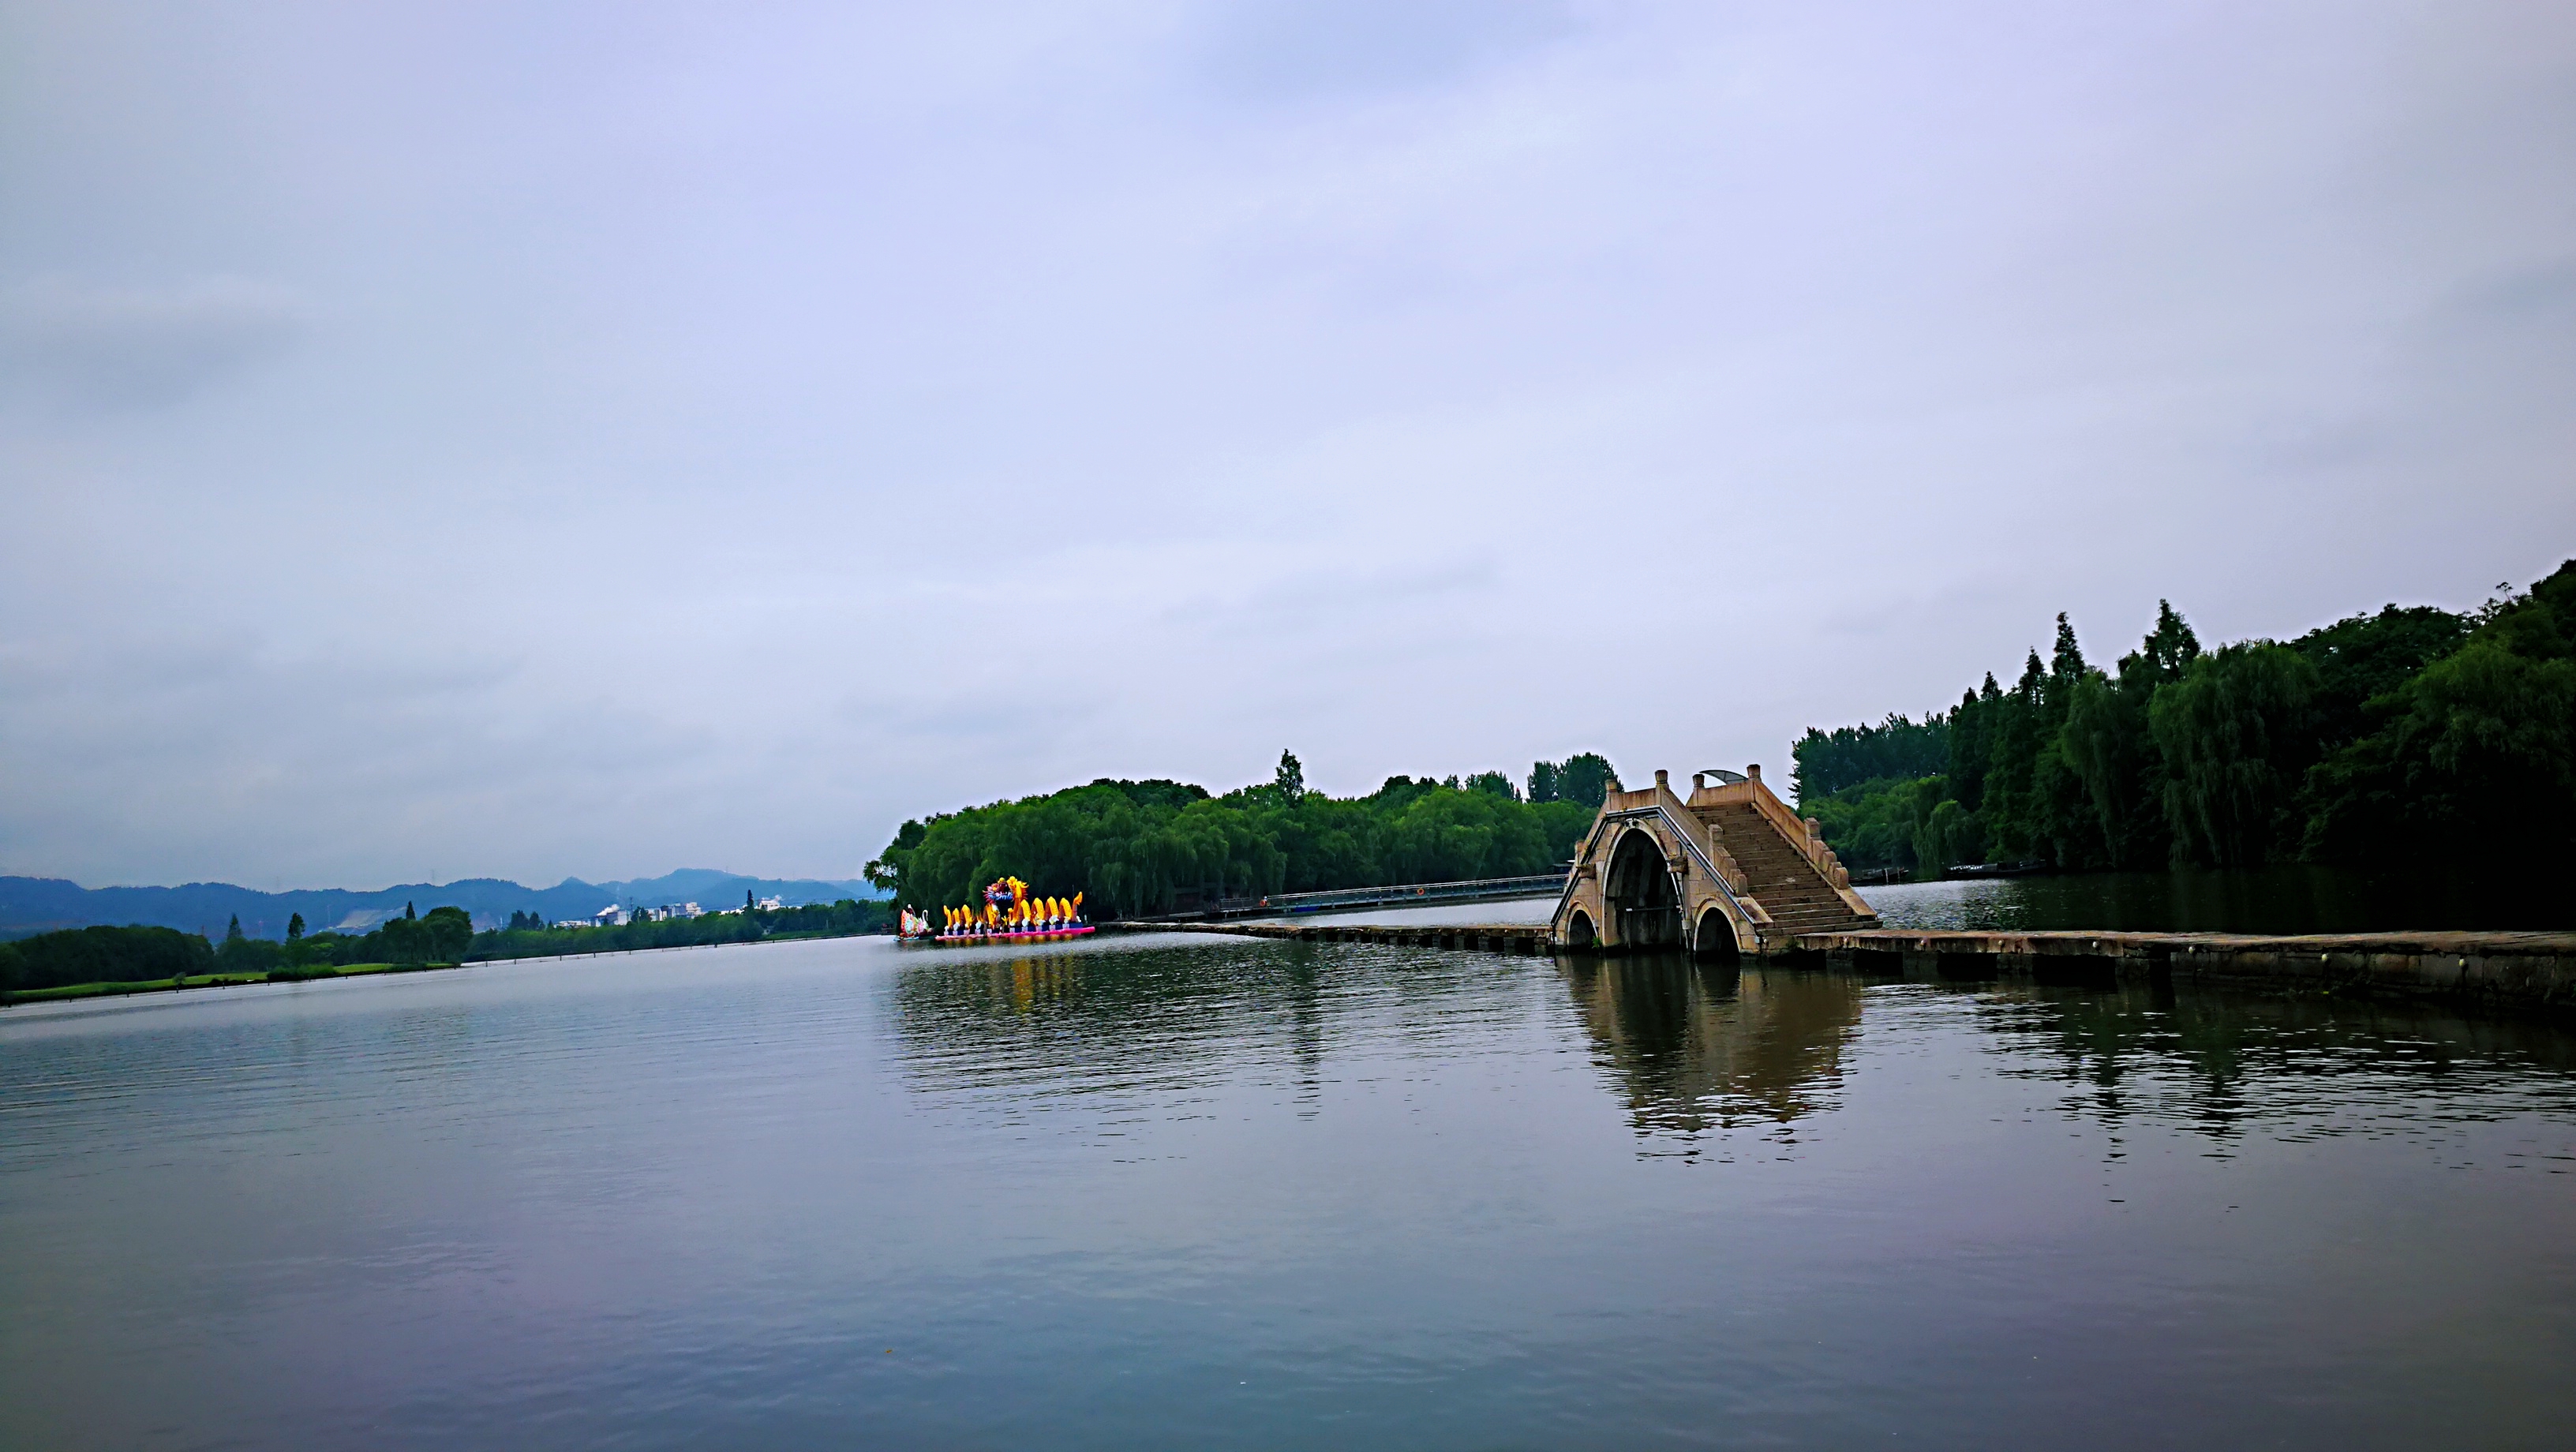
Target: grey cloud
(197, 737)
(694, 439)
(116, 348)
(1329, 601)
(1305, 49)
(2531, 309)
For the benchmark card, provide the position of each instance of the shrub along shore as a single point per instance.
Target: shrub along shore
(113, 989)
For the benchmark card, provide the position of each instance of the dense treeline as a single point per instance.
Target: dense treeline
(103, 955)
(1897, 749)
(441, 935)
(2407, 732)
(1135, 848)
(847, 918)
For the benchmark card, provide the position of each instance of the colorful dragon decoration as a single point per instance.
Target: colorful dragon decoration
(1009, 911)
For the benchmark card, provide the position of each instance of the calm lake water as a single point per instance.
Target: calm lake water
(2285, 899)
(1191, 1192)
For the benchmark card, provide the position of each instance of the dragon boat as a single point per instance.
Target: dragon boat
(1008, 915)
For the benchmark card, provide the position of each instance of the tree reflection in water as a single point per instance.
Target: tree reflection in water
(1694, 1052)
(1699, 1048)
(2293, 1068)
(1091, 1018)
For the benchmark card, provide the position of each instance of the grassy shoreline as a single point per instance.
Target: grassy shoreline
(70, 991)
(323, 974)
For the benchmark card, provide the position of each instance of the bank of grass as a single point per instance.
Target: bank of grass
(353, 970)
(211, 980)
(315, 971)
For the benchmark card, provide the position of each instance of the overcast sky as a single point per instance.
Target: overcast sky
(527, 440)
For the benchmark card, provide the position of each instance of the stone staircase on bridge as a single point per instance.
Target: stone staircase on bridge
(1797, 894)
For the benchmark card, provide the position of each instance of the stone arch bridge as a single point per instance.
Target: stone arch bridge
(1727, 872)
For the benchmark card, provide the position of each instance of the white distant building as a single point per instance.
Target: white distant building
(772, 904)
(611, 916)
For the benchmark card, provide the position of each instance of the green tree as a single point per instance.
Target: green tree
(2237, 733)
(445, 933)
(2107, 742)
(2474, 754)
(1824, 762)
(109, 955)
(1584, 779)
(1973, 725)
(1290, 780)
(2389, 737)
(2065, 663)
(2018, 728)
(400, 940)
(1950, 836)
(1882, 824)
(239, 953)
(1135, 848)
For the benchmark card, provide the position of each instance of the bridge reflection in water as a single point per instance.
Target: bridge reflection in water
(1699, 1047)
(1692, 1047)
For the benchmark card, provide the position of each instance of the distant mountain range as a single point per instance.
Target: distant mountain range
(42, 904)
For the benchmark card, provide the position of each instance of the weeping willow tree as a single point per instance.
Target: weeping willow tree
(2236, 737)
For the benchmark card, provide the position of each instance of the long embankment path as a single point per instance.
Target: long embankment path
(2520, 972)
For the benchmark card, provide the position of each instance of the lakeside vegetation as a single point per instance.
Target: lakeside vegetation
(850, 917)
(87, 962)
(1136, 848)
(2391, 735)
(2403, 735)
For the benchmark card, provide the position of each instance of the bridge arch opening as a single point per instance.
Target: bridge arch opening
(1714, 938)
(1640, 894)
(1578, 930)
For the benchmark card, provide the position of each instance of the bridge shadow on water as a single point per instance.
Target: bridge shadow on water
(1691, 1047)
(1695, 1052)
(1698, 1047)
(1127, 1015)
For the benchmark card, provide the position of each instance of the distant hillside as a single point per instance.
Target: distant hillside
(41, 904)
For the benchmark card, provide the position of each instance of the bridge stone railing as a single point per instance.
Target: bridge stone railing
(1803, 833)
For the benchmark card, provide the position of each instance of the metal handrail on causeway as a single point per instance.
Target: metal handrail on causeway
(1410, 894)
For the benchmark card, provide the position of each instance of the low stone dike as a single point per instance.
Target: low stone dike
(1473, 937)
(2532, 972)
(2513, 972)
